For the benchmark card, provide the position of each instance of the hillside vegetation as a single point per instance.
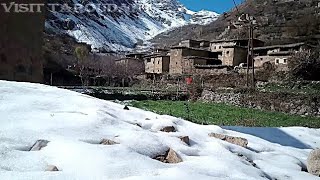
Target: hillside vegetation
(279, 22)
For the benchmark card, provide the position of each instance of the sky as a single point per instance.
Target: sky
(218, 6)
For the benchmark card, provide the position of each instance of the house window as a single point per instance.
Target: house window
(277, 60)
(228, 52)
(285, 61)
(219, 47)
(158, 62)
(148, 60)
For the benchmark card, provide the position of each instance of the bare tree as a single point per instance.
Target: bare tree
(305, 65)
(82, 54)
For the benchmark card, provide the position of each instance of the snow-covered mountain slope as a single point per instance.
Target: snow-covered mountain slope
(203, 17)
(74, 124)
(133, 22)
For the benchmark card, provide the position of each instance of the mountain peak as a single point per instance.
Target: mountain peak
(122, 31)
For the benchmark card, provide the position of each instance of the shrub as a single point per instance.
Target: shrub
(305, 65)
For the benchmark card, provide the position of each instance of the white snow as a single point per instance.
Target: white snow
(75, 123)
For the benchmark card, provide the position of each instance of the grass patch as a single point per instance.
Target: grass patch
(225, 115)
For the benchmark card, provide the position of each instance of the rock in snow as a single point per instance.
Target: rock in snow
(72, 121)
(39, 145)
(185, 139)
(170, 156)
(168, 129)
(314, 162)
(126, 108)
(108, 142)
(233, 140)
(52, 168)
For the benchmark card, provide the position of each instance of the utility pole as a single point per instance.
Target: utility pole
(248, 55)
(252, 54)
(250, 21)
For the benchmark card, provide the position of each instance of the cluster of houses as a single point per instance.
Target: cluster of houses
(204, 57)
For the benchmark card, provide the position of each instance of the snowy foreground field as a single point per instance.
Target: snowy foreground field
(75, 124)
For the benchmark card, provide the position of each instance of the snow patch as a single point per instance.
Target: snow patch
(73, 122)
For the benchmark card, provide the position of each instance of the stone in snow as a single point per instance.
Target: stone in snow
(126, 108)
(230, 139)
(169, 156)
(38, 145)
(185, 139)
(168, 129)
(314, 162)
(52, 168)
(108, 142)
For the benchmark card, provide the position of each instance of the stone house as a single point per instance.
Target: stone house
(161, 51)
(233, 52)
(196, 65)
(202, 44)
(135, 55)
(277, 54)
(132, 64)
(182, 59)
(21, 43)
(156, 64)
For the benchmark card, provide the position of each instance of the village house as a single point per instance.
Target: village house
(200, 65)
(277, 54)
(183, 59)
(131, 64)
(156, 64)
(202, 44)
(233, 52)
(192, 57)
(21, 43)
(160, 51)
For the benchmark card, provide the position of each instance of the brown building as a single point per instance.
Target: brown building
(202, 44)
(233, 52)
(196, 65)
(21, 43)
(135, 55)
(180, 58)
(132, 64)
(161, 51)
(157, 64)
(277, 54)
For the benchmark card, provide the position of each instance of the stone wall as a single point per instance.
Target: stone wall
(157, 65)
(21, 40)
(179, 64)
(175, 61)
(298, 104)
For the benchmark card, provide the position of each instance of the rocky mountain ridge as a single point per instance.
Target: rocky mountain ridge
(133, 22)
(279, 22)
